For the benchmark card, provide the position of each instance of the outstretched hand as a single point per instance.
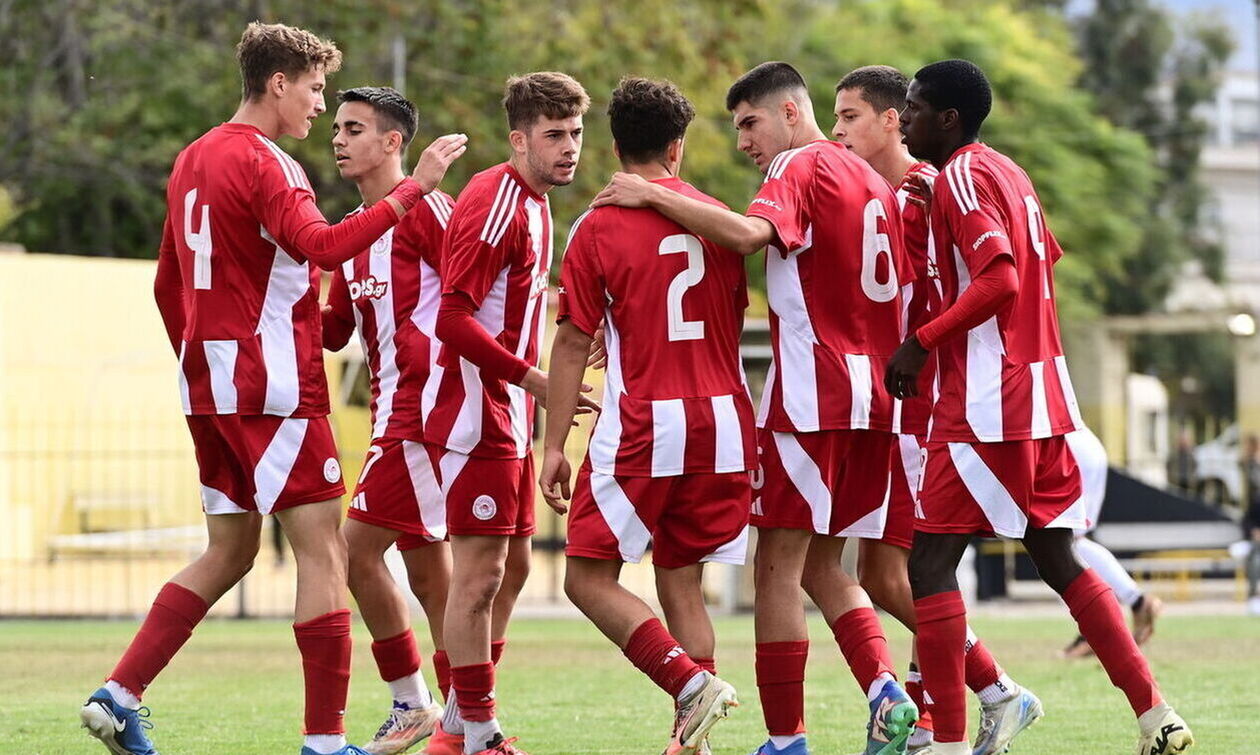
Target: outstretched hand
(436, 158)
(920, 191)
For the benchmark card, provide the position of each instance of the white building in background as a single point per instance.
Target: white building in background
(1230, 167)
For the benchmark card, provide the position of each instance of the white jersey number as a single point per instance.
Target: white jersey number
(1036, 232)
(199, 242)
(680, 328)
(874, 244)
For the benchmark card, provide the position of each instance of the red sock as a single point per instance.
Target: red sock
(442, 668)
(397, 656)
(941, 634)
(780, 668)
(861, 640)
(496, 651)
(982, 669)
(474, 688)
(324, 643)
(176, 610)
(1101, 623)
(655, 652)
(708, 664)
(914, 688)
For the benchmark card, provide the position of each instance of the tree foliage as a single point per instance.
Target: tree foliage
(102, 96)
(1150, 78)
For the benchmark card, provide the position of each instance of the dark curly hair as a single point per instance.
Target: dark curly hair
(646, 116)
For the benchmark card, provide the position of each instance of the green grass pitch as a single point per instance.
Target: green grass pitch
(564, 690)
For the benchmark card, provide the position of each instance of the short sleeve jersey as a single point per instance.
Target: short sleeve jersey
(251, 342)
(497, 252)
(1006, 379)
(390, 292)
(911, 415)
(672, 305)
(834, 278)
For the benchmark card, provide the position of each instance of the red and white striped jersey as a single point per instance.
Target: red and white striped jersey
(833, 277)
(497, 252)
(911, 415)
(251, 339)
(1007, 379)
(675, 400)
(390, 294)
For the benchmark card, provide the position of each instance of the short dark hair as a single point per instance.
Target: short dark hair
(959, 85)
(552, 94)
(265, 49)
(883, 87)
(645, 116)
(768, 78)
(396, 113)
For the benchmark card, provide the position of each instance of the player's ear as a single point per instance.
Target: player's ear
(791, 111)
(948, 119)
(277, 83)
(892, 119)
(394, 142)
(674, 151)
(518, 139)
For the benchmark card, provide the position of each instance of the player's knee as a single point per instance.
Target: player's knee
(881, 587)
(234, 559)
(426, 586)
(480, 588)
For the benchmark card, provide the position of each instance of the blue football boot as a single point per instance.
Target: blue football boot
(119, 728)
(893, 716)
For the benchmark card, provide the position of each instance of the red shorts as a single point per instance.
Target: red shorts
(398, 489)
(264, 463)
(688, 519)
(907, 473)
(487, 496)
(1001, 488)
(830, 482)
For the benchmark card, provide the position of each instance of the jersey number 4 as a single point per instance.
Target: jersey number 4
(680, 328)
(199, 242)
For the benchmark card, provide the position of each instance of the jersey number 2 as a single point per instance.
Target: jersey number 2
(198, 242)
(680, 328)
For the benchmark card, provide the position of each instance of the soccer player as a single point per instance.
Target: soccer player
(869, 101)
(495, 269)
(669, 457)
(389, 293)
(1091, 457)
(998, 459)
(239, 298)
(834, 271)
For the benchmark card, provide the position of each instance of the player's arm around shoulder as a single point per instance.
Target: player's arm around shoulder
(742, 234)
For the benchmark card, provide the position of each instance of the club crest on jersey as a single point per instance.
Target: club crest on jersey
(539, 284)
(332, 469)
(484, 508)
(369, 287)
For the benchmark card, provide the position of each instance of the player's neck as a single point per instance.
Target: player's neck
(260, 116)
(893, 162)
(522, 169)
(805, 134)
(949, 150)
(376, 185)
(652, 171)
